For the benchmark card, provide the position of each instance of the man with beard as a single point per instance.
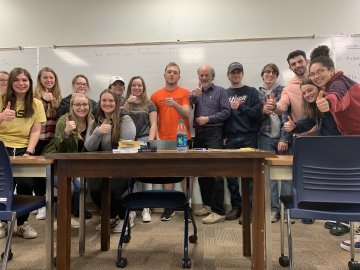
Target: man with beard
(291, 101)
(172, 103)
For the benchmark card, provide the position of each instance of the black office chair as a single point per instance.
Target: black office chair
(12, 206)
(326, 184)
(174, 199)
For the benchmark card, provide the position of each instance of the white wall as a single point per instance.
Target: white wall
(73, 22)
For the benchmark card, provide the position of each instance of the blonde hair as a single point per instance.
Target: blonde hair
(72, 116)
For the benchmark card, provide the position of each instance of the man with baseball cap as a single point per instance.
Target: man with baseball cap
(117, 85)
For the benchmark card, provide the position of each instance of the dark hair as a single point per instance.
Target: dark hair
(295, 54)
(73, 82)
(321, 54)
(273, 67)
(11, 96)
(172, 64)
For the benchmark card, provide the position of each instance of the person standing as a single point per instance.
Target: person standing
(212, 108)
(4, 77)
(172, 103)
(117, 85)
(272, 135)
(20, 125)
(241, 128)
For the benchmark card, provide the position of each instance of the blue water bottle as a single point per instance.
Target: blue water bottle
(181, 137)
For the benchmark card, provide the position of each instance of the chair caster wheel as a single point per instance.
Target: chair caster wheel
(353, 265)
(186, 263)
(193, 239)
(10, 255)
(284, 261)
(122, 263)
(127, 238)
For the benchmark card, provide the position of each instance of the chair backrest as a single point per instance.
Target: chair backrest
(6, 179)
(326, 172)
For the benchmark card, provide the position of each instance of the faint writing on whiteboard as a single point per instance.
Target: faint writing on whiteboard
(348, 58)
(353, 46)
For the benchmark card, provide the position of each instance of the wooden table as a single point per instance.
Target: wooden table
(276, 168)
(226, 163)
(38, 166)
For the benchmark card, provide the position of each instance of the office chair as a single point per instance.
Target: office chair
(174, 199)
(326, 183)
(12, 206)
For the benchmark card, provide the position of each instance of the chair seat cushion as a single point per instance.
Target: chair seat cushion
(24, 204)
(155, 198)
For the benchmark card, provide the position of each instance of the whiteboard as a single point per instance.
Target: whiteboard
(149, 61)
(25, 58)
(347, 56)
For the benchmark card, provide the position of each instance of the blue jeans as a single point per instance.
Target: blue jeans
(270, 144)
(232, 183)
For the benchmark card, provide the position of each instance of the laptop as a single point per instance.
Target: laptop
(163, 144)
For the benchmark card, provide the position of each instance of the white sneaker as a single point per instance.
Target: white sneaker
(75, 224)
(34, 212)
(146, 215)
(113, 222)
(26, 231)
(41, 213)
(3, 229)
(120, 223)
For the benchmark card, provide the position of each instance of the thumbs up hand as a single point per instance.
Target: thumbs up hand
(69, 126)
(105, 127)
(322, 103)
(48, 96)
(8, 114)
(289, 125)
(269, 104)
(132, 99)
(198, 90)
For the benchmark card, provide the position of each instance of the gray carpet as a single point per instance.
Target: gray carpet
(158, 245)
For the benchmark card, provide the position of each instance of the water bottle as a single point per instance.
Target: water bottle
(181, 137)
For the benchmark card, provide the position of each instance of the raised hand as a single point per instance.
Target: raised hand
(69, 126)
(170, 102)
(269, 104)
(198, 90)
(8, 114)
(322, 103)
(289, 125)
(132, 99)
(105, 127)
(48, 96)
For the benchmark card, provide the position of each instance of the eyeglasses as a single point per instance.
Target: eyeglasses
(82, 84)
(78, 105)
(319, 72)
(270, 72)
(3, 80)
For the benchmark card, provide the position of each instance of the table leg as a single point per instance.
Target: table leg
(63, 254)
(49, 229)
(268, 236)
(105, 214)
(258, 244)
(82, 217)
(245, 197)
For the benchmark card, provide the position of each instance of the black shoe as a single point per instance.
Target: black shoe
(167, 214)
(307, 220)
(233, 214)
(88, 214)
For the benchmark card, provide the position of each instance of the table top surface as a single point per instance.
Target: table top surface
(30, 160)
(286, 160)
(164, 154)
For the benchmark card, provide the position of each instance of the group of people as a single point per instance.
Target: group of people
(318, 100)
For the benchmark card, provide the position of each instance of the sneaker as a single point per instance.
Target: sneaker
(41, 213)
(88, 214)
(146, 215)
(307, 221)
(3, 229)
(34, 212)
(113, 224)
(233, 214)
(75, 224)
(275, 216)
(346, 244)
(167, 214)
(26, 231)
(203, 211)
(120, 223)
(213, 218)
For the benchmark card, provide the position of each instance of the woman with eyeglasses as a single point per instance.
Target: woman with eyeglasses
(20, 124)
(342, 95)
(70, 134)
(104, 133)
(80, 84)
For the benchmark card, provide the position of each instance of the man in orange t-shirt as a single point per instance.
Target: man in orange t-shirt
(172, 103)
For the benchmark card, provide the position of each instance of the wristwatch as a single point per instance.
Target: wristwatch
(29, 153)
